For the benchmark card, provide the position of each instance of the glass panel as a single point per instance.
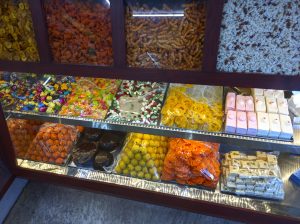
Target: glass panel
(164, 34)
(17, 40)
(80, 31)
(260, 36)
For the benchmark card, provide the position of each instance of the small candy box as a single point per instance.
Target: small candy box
(230, 102)
(279, 94)
(286, 127)
(249, 103)
(230, 124)
(262, 124)
(271, 105)
(241, 123)
(269, 93)
(251, 123)
(275, 127)
(260, 104)
(240, 103)
(257, 92)
(282, 106)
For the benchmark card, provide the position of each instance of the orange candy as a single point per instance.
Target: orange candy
(192, 162)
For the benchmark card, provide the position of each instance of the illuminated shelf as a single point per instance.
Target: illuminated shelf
(241, 142)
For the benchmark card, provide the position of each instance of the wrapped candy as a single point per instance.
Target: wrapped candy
(192, 162)
(91, 98)
(193, 107)
(22, 133)
(16, 32)
(52, 143)
(137, 102)
(46, 95)
(142, 156)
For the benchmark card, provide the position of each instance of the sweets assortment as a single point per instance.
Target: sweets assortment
(80, 31)
(16, 32)
(22, 133)
(52, 143)
(192, 162)
(252, 175)
(90, 97)
(138, 102)
(6, 98)
(193, 107)
(165, 41)
(45, 95)
(142, 156)
(264, 114)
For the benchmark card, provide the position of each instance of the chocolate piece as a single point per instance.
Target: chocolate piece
(102, 159)
(111, 140)
(83, 153)
(93, 134)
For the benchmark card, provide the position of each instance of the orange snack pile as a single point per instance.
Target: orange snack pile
(22, 133)
(52, 143)
(192, 162)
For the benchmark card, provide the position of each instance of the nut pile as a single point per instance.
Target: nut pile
(165, 42)
(79, 31)
(17, 40)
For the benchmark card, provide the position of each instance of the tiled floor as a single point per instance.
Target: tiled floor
(43, 203)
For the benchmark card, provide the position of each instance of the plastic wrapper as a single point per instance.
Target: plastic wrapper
(22, 133)
(16, 32)
(46, 95)
(80, 31)
(53, 143)
(138, 102)
(142, 156)
(194, 107)
(165, 34)
(91, 98)
(256, 175)
(192, 162)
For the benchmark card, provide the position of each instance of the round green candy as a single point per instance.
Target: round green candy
(134, 162)
(140, 174)
(138, 168)
(133, 173)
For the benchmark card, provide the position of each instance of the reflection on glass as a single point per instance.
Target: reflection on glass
(80, 31)
(165, 35)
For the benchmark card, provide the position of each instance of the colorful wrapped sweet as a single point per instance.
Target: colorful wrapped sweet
(22, 133)
(91, 98)
(194, 107)
(46, 95)
(192, 162)
(53, 143)
(142, 156)
(16, 32)
(6, 98)
(138, 102)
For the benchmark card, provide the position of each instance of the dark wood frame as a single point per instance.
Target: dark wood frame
(208, 75)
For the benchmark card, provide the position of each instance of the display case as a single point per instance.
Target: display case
(143, 100)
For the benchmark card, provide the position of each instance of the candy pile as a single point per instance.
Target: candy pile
(16, 32)
(22, 133)
(6, 98)
(193, 107)
(91, 97)
(251, 175)
(46, 95)
(52, 143)
(79, 31)
(172, 42)
(142, 156)
(192, 162)
(138, 102)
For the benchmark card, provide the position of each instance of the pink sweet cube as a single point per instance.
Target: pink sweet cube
(230, 123)
(241, 123)
(252, 123)
(249, 103)
(230, 102)
(240, 103)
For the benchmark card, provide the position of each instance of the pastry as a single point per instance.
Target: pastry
(241, 123)
(275, 128)
(102, 159)
(271, 105)
(282, 106)
(251, 123)
(230, 101)
(260, 104)
(249, 103)
(230, 123)
(286, 127)
(240, 103)
(263, 124)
